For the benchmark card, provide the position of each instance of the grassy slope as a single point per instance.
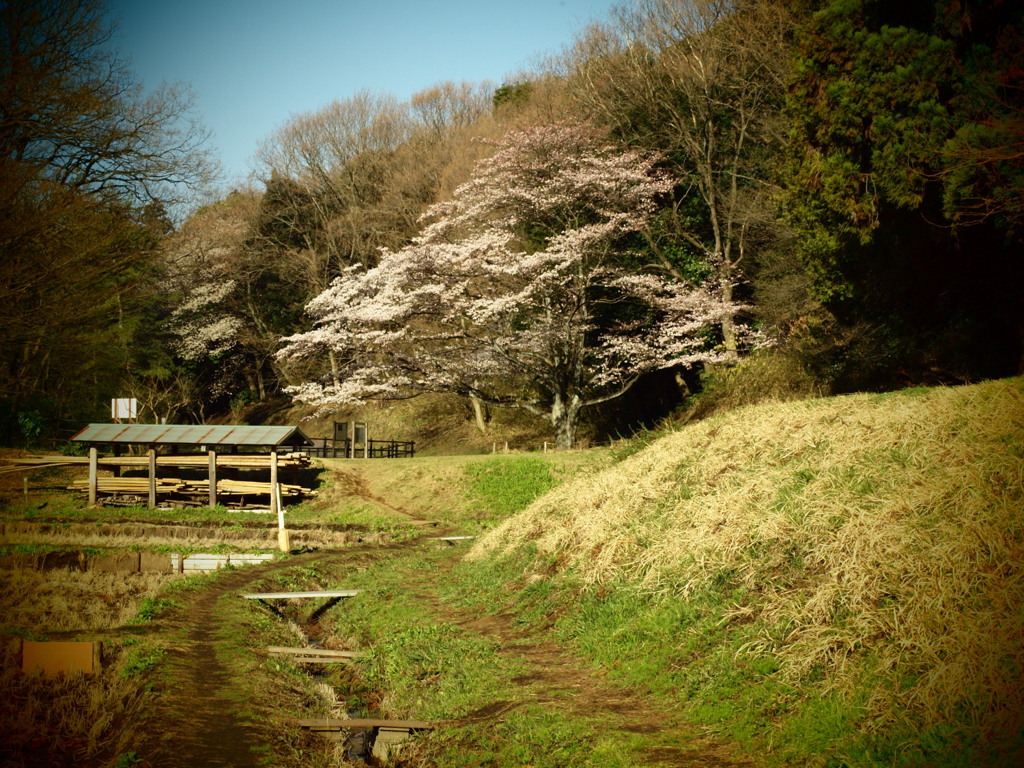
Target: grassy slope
(839, 579)
(474, 492)
(439, 424)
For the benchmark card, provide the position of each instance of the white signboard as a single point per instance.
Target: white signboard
(124, 408)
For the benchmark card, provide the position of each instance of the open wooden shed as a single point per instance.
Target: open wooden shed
(203, 445)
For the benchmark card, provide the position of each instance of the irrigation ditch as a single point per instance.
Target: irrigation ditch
(203, 697)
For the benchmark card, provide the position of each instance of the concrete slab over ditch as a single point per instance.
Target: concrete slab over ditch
(388, 741)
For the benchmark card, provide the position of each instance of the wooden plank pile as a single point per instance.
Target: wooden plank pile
(201, 461)
(233, 492)
(177, 491)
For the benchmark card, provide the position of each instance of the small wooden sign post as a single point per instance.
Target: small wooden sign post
(213, 478)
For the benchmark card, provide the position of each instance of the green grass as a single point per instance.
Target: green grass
(43, 549)
(141, 657)
(65, 507)
(420, 667)
(425, 667)
(152, 607)
(503, 485)
(533, 735)
(366, 515)
(689, 656)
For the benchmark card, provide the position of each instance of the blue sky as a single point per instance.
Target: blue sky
(253, 64)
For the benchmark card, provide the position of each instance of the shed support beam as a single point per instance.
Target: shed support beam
(93, 472)
(152, 478)
(213, 479)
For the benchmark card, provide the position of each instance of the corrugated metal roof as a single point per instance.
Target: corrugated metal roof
(189, 434)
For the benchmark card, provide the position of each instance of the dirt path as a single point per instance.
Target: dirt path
(196, 722)
(556, 677)
(201, 724)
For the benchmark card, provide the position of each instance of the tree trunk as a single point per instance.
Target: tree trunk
(729, 321)
(563, 418)
(480, 413)
(335, 379)
(250, 378)
(261, 387)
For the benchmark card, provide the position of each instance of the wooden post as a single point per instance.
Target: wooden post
(284, 541)
(152, 477)
(93, 467)
(213, 478)
(273, 483)
(276, 507)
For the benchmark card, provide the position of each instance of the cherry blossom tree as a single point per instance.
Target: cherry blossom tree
(522, 291)
(201, 325)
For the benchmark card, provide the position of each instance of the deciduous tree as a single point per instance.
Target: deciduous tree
(515, 293)
(85, 158)
(703, 82)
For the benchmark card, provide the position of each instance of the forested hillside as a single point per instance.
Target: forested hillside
(830, 189)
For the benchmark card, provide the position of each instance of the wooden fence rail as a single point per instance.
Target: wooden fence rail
(329, 448)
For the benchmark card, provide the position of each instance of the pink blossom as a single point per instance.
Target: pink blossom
(515, 291)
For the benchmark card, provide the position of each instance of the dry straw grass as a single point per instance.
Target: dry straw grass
(889, 526)
(67, 601)
(69, 718)
(66, 719)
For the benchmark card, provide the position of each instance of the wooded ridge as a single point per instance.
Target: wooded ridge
(834, 195)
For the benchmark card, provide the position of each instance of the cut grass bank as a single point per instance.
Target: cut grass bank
(839, 580)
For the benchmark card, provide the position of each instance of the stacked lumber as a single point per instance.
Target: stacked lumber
(178, 486)
(233, 492)
(201, 461)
